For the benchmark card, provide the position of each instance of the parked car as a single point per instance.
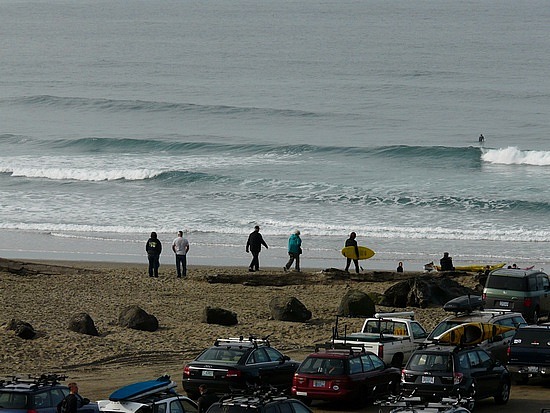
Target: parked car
(148, 397)
(524, 291)
(440, 371)
(529, 352)
(237, 363)
(497, 346)
(391, 336)
(37, 394)
(345, 374)
(258, 401)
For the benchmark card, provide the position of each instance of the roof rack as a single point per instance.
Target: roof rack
(242, 340)
(402, 314)
(254, 395)
(349, 347)
(33, 381)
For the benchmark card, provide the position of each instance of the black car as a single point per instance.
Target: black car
(438, 371)
(529, 352)
(238, 363)
(259, 401)
(37, 394)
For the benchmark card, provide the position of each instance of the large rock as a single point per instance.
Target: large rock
(22, 329)
(82, 323)
(425, 291)
(288, 309)
(138, 319)
(356, 303)
(219, 316)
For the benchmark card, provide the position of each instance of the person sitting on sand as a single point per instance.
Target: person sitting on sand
(400, 267)
(446, 262)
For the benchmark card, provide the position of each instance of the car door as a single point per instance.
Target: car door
(544, 285)
(260, 366)
(483, 373)
(284, 368)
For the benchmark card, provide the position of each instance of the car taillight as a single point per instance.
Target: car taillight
(186, 371)
(233, 373)
(381, 351)
(484, 296)
(403, 376)
(32, 411)
(527, 302)
(457, 378)
(298, 380)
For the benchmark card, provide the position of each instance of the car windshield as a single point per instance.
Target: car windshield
(503, 282)
(12, 400)
(442, 327)
(433, 362)
(316, 365)
(222, 354)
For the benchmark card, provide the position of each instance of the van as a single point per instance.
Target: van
(524, 291)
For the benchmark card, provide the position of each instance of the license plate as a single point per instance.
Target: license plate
(504, 304)
(318, 383)
(532, 369)
(428, 379)
(301, 393)
(207, 373)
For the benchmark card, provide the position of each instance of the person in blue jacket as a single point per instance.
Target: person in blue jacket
(294, 250)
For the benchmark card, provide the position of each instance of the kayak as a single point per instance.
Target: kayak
(475, 267)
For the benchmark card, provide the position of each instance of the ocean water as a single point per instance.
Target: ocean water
(120, 118)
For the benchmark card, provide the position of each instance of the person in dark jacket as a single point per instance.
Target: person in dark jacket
(446, 262)
(70, 403)
(254, 246)
(206, 399)
(400, 267)
(153, 248)
(351, 242)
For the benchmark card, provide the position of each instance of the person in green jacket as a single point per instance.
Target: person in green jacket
(294, 250)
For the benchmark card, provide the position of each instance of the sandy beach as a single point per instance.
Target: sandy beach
(46, 294)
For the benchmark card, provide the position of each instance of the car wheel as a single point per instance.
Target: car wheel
(503, 393)
(397, 360)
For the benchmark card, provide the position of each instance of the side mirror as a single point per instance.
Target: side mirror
(285, 358)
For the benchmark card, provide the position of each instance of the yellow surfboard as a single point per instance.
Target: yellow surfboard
(469, 334)
(364, 253)
(474, 267)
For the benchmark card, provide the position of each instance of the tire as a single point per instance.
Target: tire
(397, 360)
(503, 393)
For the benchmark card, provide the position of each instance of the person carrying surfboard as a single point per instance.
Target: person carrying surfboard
(294, 250)
(351, 242)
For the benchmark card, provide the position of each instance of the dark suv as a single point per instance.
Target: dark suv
(524, 291)
(259, 401)
(40, 394)
(238, 363)
(441, 371)
(497, 346)
(529, 353)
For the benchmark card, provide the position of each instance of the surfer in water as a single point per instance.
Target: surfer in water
(481, 138)
(351, 242)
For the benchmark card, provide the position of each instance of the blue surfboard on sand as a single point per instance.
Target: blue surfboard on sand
(142, 388)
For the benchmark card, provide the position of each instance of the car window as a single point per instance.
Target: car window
(367, 363)
(222, 354)
(10, 400)
(299, 407)
(463, 362)
(257, 356)
(355, 365)
(182, 406)
(430, 362)
(311, 365)
(418, 331)
(41, 400)
(377, 362)
(484, 359)
(473, 359)
(532, 281)
(57, 395)
(273, 354)
(508, 322)
(159, 408)
(442, 327)
(506, 283)
(542, 282)
(275, 408)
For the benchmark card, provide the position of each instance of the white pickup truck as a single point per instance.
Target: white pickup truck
(389, 335)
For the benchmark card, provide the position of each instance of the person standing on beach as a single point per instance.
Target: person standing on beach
(180, 246)
(70, 403)
(254, 246)
(351, 242)
(153, 248)
(206, 399)
(294, 250)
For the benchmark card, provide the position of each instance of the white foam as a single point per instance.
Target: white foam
(514, 156)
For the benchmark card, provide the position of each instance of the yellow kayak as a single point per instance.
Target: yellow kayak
(475, 267)
(469, 334)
